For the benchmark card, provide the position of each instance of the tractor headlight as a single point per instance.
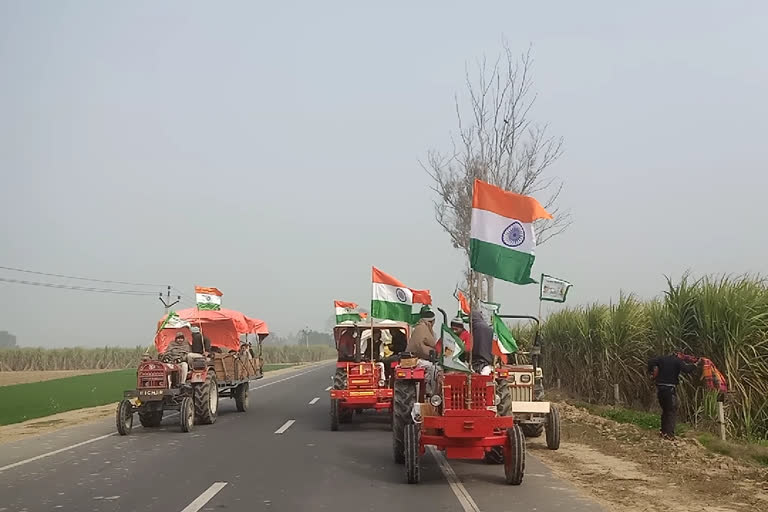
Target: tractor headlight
(539, 373)
(382, 382)
(525, 378)
(496, 399)
(435, 400)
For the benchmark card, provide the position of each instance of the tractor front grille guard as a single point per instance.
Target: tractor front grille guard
(151, 379)
(458, 395)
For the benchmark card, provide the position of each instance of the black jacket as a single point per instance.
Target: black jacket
(669, 369)
(482, 339)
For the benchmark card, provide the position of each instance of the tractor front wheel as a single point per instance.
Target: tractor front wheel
(412, 434)
(241, 397)
(150, 419)
(553, 428)
(207, 400)
(496, 454)
(514, 456)
(334, 414)
(532, 429)
(187, 414)
(405, 398)
(124, 417)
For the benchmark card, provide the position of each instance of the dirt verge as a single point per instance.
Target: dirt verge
(630, 469)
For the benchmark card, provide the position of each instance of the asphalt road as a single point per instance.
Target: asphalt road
(278, 456)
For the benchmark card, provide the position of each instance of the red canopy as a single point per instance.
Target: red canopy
(222, 327)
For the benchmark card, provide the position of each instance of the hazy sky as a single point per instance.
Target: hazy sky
(271, 149)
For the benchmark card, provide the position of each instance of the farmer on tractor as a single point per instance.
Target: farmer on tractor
(482, 345)
(422, 344)
(177, 352)
(457, 326)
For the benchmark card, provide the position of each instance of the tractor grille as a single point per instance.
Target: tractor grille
(522, 393)
(456, 392)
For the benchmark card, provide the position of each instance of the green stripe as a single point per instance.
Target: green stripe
(355, 317)
(208, 306)
(391, 311)
(501, 262)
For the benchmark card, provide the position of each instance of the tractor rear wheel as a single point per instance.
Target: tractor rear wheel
(553, 428)
(496, 454)
(405, 397)
(412, 435)
(150, 419)
(124, 417)
(241, 396)
(334, 414)
(207, 400)
(532, 429)
(514, 460)
(187, 414)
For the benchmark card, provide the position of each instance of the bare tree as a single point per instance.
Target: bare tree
(500, 144)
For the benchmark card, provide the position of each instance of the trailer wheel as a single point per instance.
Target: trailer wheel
(124, 417)
(334, 414)
(207, 400)
(412, 435)
(187, 414)
(514, 456)
(241, 397)
(150, 419)
(405, 398)
(532, 429)
(496, 454)
(553, 428)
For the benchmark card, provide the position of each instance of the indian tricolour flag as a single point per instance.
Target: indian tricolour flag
(502, 241)
(208, 298)
(346, 311)
(392, 300)
(453, 348)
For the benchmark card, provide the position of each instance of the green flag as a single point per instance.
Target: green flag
(504, 339)
(453, 347)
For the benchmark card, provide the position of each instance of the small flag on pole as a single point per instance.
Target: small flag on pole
(346, 311)
(392, 300)
(504, 340)
(208, 298)
(553, 289)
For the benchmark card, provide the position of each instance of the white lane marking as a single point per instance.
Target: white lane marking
(93, 440)
(314, 400)
(461, 492)
(283, 380)
(204, 498)
(285, 426)
(66, 448)
(328, 388)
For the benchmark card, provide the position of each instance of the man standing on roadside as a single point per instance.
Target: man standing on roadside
(665, 370)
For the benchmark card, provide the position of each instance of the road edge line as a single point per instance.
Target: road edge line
(461, 492)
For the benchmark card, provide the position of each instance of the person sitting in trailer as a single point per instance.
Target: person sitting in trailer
(347, 342)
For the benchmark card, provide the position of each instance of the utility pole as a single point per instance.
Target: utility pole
(167, 304)
(306, 336)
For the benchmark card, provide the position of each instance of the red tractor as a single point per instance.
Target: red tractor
(363, 379)
(460, 418)
(211, 373)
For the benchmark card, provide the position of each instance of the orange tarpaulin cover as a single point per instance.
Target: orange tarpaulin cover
(223, 327)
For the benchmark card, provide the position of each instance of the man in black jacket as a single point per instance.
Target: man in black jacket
(666, 372)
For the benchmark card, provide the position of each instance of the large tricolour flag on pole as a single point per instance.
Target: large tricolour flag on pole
(392, 300)
(346, 311)
(502, 241)
(208, 298)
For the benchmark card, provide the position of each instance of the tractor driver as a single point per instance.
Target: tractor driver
(177, 353)
(347, 344)
(421, 344)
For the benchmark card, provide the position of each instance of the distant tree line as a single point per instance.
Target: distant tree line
(7, 340)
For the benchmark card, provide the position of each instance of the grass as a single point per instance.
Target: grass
(591, 348)
(642, 419)
(21, 402)
(756, 452)
(116, 358)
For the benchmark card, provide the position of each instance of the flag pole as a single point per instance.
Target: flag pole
(468, 396)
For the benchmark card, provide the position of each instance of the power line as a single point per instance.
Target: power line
(79, 288)
(78, 278)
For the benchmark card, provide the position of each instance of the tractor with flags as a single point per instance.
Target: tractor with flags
(202, 357)
(362, 380)
(457, 414)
